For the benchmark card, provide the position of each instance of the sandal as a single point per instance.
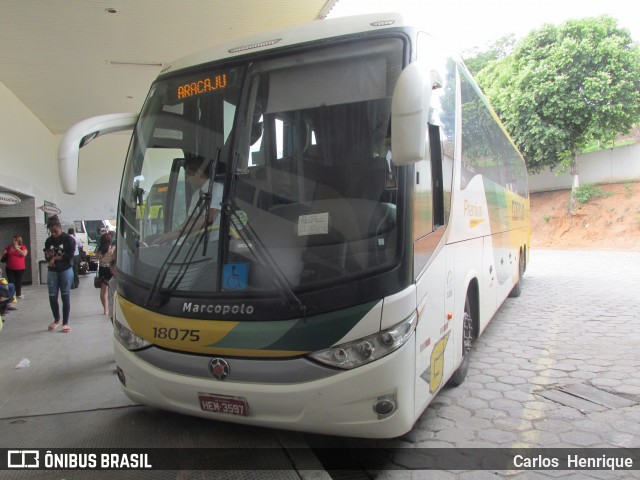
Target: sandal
(66, 329)
(54, 326)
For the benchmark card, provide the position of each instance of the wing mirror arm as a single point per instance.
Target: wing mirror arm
(80, 135)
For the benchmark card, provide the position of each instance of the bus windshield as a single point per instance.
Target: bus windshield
(274, 174)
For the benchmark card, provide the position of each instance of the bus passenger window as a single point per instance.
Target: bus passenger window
(436, 176)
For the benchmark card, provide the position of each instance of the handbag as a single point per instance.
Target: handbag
(97, 281)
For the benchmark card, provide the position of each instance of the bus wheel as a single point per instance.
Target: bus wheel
(517, 288)
(467, 340)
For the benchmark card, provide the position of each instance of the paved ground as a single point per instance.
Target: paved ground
(543, 368)
(69, 397)
(577, 322)
(557, 367)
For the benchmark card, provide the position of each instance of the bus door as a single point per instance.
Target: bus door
(435, 338)
(433, 265)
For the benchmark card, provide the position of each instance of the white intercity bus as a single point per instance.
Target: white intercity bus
(314, 224)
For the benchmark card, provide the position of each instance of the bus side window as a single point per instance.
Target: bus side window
(436, 176)
(423, 200)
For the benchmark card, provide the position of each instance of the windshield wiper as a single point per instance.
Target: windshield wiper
(202, 206)
(262, 254)
(176, 248)
(208, 196)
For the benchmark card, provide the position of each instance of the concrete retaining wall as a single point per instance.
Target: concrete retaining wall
(613, 165)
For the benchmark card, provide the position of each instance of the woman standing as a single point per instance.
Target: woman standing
(58, 251)
(106, 252)
(16, 253)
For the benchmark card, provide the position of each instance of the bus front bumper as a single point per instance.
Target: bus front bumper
(341, 404)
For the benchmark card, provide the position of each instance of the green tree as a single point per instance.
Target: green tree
(565, 86)
(476, 59)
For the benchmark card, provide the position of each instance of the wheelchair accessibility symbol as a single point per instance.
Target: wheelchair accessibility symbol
(235, 276)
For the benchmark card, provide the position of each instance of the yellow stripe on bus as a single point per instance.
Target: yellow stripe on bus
(189, 335)
(474, 222)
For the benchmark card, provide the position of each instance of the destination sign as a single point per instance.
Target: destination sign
(203, 85)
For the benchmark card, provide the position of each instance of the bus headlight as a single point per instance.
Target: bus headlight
(126, 337)
(367, 349)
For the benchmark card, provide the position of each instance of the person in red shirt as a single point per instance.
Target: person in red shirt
(16, 253)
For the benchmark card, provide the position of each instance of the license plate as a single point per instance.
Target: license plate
(223, 404)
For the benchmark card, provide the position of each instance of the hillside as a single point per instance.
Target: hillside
(605, 223)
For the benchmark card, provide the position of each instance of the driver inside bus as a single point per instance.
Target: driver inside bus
(197, 174)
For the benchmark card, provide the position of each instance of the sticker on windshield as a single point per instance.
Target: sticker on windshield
(314, 224)
(235, 276)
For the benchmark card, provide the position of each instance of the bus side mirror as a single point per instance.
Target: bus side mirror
(410, 115)
(80, 135)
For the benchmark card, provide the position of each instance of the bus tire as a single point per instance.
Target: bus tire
(467, 341)
(517, 288)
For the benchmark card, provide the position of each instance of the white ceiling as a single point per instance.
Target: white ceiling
(55, 55)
